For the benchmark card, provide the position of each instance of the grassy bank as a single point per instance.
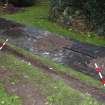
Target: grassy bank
(36, 16)
(55, 91)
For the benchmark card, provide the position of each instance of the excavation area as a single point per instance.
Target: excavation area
(63, 50)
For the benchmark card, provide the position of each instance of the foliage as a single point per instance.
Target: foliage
(66, 10)
(22, 2)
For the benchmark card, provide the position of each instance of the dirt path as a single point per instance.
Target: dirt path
(69, 80)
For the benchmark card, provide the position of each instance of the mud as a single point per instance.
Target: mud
(72, 53)
(7, 24)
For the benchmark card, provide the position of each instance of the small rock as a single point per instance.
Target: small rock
(26, 76)
(29, 39)
(46, 103)
(13, 83)
(51, 68)
(31, 49)
(29, 63)
(46, 53)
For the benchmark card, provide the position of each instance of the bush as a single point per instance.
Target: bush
(22, 2)
(66, 10)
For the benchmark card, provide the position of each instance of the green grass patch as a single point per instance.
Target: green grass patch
(36, 16)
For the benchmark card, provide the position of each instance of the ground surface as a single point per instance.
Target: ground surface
(79, 56)
(32, 90)
(36, 83)
(34, 79)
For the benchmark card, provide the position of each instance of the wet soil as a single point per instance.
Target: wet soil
(72, 53)
(7, 24)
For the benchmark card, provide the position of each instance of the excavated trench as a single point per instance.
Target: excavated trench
(71, 53)
(79, 56)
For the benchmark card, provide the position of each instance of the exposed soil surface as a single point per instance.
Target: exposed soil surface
(6, 25)
(50, 43)
(79, 56)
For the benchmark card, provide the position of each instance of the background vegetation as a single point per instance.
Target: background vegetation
(92, 13)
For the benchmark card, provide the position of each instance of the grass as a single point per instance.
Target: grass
(55, 91)
(36, 16)
(6, 99)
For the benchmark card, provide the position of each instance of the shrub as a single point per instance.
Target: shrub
(66, 10)
(22, 2)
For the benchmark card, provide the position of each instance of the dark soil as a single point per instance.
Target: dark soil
(50, 43)
(14, 32)
(7, 24)
(72, 53)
